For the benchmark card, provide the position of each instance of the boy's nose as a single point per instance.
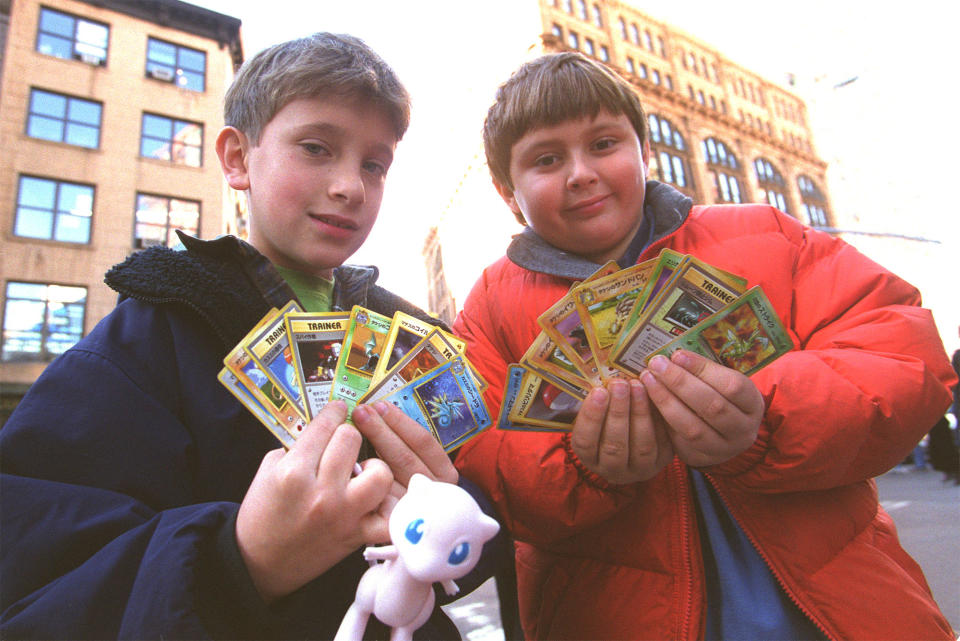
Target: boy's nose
(347, 186)
(581, 174)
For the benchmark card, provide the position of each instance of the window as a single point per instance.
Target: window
(182, 66)
(623, 27)
(642, 72)
(669, 151)
(63, 118)
(813, 202)
(631, 67)
(582, 10)
(158, 217)
(573, 40)
(604, 53)
(722, 165)
(668, 81)
(65, 36)
(53, 210)
(647, 40)
(656, 77)
(178, 141)
(634, 34)
(41, 321)
(662, 47)
(557, 30)
(588, 46)
(597, 16)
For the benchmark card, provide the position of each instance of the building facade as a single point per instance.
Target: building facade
(718, 132)
(109, 112)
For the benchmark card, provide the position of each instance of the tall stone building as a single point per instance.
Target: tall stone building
(109, 111)
(718, 132)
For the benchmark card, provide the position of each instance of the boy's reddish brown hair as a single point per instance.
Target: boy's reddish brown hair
(550, 90)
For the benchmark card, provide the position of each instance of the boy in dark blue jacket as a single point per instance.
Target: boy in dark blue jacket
(140, 499)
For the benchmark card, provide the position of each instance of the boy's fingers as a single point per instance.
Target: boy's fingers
(367, 491)
(339, 457)
(588, 426)
(689, 403)
(613, 451)
(403, 443)
(314, 439)
(731, 384)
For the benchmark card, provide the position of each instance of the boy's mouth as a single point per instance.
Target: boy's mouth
(588, 204)
(334, 221)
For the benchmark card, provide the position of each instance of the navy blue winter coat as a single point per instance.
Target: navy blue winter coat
(124, 465)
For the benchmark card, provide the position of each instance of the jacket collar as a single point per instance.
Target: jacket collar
(664, 205)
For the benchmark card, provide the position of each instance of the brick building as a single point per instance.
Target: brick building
(109, 111)
(718, 131)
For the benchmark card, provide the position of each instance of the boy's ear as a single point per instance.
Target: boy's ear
(507, 194)
(645, 154)
(232, 149)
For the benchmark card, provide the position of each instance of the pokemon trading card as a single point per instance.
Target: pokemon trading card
(695, 291)
(562, 324)
(264, 390)
(430, 352)
(746, 335)
(229, 380)
(405, 332)
(511, 391)
(447, 402)
(316, 341)
(540, 403)
(604, 304)
(270, 350)
(362, 348)
(544, 356)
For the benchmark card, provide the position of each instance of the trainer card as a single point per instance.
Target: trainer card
(447, 402)
(544, 356)
(229, 380)
(430, 352)
(511, 391)
(362, 348)
(316, 341)
(249, 375)
(405, 332)
(695, 292)
(270, 350)
(540, 404)
(747, 335)
(604, 304)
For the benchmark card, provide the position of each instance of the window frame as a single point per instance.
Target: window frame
(44, 354)
(76, 41)
(144, 241)
(172, 143)
(64, 119)
(56, 213)
(174, 73)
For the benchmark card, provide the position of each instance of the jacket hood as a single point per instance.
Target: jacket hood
(664, 205)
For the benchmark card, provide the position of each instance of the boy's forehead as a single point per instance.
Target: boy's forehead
(576, 125)
(338, 115)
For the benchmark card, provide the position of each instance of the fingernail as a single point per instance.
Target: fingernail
(381, 407)
(361, 411)
(681, 358)
(658, 364)
(647, 378)
(599, 396)
(619, 389)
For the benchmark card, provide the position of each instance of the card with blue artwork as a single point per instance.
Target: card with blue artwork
(270, 349)
(447, 401)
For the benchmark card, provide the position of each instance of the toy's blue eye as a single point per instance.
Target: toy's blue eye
(459, 554)
(414, 531)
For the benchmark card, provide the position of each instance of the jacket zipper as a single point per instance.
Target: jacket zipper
(685, 547)
(766, 560)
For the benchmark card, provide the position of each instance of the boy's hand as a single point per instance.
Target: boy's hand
(618, 435)
(305, 511)
(712, 412)
(403, 443)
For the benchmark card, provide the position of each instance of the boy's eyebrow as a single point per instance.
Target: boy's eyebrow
(329, 129)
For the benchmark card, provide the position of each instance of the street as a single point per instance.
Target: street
(925, 509)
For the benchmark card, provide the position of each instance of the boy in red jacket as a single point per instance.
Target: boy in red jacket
(695, 502)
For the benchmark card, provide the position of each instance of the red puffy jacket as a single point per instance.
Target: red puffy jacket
(868, 377)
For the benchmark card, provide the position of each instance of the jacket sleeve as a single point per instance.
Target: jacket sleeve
(867, 379)
(541, 490)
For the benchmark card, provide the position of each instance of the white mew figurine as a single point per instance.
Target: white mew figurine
(437, 531)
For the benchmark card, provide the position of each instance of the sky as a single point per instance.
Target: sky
(886, 135)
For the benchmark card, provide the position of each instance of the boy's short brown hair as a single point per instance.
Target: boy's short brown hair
(550, 90)
(321, 64)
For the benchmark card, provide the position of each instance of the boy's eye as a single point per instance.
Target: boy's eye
(604, 143)
(314, 148)
(545, 160)
(375, 168)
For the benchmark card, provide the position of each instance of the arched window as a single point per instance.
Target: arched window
(723, 168)
(623, 27)
(670, 153)
(813, 202)
(597, 16)
(771, 183)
